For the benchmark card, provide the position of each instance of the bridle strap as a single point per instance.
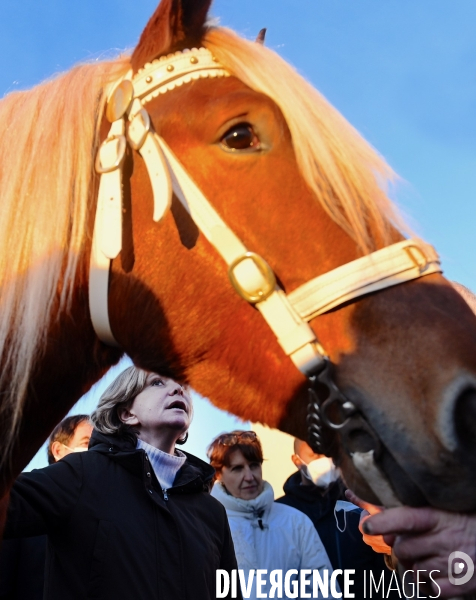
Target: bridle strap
(395, 264)
(250, 274)
(107, 236)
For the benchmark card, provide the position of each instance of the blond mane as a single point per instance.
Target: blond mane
(349, 178)
(47, 149)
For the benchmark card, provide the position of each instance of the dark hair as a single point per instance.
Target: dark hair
(220, 453)
(63, 432)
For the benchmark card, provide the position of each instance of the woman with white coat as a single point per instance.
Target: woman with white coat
(266, 535)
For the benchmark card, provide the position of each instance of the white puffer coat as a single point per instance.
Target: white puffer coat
(268, 535)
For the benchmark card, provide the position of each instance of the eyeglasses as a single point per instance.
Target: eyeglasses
(230, 439)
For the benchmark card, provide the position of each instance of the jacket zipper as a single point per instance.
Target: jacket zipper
(164, 492)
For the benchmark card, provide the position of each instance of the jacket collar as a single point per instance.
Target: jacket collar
(193, 475)
(249, 509)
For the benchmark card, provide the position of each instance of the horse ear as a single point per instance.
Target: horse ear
(175, 25)
(261, 36)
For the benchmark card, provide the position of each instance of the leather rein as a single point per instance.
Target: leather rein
(288, 315)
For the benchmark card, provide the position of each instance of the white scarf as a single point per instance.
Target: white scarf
(258, 508)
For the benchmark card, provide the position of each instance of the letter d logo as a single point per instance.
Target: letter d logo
(455, 568)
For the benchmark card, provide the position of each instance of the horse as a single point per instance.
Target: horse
(386, 358)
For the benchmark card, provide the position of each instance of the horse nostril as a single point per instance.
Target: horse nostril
(465, 417)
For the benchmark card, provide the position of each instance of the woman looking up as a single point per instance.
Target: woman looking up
(131, 518)
(266, 535)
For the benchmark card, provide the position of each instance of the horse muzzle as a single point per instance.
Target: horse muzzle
(394, 468)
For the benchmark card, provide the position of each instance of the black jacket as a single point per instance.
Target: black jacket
(22, 568)
(346, 549)
(113, 536)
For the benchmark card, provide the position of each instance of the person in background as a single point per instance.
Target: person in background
(266, 535)
(71, 435)
(132, 518)
(22, 560)
(317, 490)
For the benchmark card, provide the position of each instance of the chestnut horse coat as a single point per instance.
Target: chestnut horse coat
(113, 536)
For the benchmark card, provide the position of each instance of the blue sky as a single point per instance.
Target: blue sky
(402, 72)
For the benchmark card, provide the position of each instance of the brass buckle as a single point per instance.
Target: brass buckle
(121, 150)
(265, 270)
(416, 255)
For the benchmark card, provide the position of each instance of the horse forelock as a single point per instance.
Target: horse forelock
(47, 149)
(348, 177)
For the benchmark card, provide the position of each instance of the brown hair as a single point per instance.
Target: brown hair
(220, 453)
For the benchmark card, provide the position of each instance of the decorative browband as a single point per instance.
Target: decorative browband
(168, 72)
(158, 77)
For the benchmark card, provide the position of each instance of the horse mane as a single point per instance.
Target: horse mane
(47, 151)
(348, 177)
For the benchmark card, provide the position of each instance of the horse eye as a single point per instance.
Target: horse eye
(241, 137)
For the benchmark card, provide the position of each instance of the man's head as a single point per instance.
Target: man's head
(316, 469)
(303, 453)
(71, 435)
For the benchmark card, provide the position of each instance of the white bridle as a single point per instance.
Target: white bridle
(251, 276)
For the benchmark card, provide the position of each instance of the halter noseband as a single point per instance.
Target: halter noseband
(287, 315)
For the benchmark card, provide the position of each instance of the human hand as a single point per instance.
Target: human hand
(376, 542)
(424, 538)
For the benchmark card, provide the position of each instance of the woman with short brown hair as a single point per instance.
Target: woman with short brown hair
(266, 535)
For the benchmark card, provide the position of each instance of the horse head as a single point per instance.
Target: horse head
(299, 188)
(304, 195)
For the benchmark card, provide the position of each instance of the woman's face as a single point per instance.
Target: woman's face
(242, 479)
(162, 404)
